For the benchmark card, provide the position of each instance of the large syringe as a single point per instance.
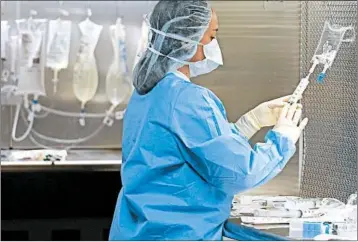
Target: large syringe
(297, 94)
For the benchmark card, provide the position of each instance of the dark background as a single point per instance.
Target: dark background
(57, 195)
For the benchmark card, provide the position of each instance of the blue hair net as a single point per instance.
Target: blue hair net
(175, 30)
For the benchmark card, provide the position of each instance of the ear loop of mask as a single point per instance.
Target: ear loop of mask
(173, 36)
(172, 58)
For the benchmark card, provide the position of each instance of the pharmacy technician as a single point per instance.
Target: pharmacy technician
(183, 161)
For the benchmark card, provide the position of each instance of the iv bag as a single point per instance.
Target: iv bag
(85, 76)
(58, 47)
(31, 56)
(4, 38)
(143, 43)
(331, 39)
(118, 85)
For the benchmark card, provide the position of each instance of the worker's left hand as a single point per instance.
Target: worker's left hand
(268, 113)
(264, 115)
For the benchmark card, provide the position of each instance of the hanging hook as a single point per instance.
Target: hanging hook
(62, 12)
(264, 4)
(33, 13)
(89, 12)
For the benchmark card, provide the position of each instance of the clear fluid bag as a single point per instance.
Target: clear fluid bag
(85, 74)
(4, 38)
(58, 47)
(331, 40)
(31, 54)
(143, 42)
(118, 85)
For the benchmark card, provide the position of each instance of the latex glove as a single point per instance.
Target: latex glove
(287, 124)
(264, 115)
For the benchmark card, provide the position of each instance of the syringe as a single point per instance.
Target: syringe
(280, 213)
(297, 94)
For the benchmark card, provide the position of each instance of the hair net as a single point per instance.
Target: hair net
(175, 29)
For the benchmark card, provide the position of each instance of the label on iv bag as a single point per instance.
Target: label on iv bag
(58, 45)
(29, 81)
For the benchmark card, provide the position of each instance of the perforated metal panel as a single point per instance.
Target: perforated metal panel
(330, 153)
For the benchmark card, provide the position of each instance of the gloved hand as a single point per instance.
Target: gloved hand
(287, 124)
(264, 115)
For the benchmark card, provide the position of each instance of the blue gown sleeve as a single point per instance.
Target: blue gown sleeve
(217, 152)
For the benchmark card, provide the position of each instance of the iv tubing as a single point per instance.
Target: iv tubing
(16, 119)
(66, 141)
(29, 129)
(72, 114)
(11, 89)
(59, 112)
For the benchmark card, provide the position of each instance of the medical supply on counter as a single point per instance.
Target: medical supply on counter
(308, 230)
(85, 74)
(331, 39)
(300, 229)
(331, 214)
(37, 155)
(326, 237)
(58, 46)
(301, 204)
(281, 213)
(264, 220)
(263, 200)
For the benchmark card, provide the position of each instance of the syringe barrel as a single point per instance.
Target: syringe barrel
(278, 213)
(297, 94)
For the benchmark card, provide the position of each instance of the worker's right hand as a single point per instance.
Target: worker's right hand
(287, 124)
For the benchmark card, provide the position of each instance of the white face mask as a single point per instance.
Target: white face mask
(213, 58)
(212, 52)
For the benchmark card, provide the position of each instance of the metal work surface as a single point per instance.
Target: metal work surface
(330, 154)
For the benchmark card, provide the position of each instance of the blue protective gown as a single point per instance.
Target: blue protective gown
(183, 162)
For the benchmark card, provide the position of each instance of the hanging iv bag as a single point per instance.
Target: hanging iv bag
(58, 47)
(4, 38)
(143, 42)
(331, 39)
(31, 56)
(85, 74)
(4, 44)
(118, 85)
